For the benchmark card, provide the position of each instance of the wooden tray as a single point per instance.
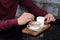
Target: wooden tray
(35, 33)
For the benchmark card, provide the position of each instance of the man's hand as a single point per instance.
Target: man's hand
(25, 17)
(49, 18)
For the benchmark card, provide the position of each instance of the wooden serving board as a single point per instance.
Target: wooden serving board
(35, 33)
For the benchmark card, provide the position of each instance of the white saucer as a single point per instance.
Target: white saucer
(34, 28)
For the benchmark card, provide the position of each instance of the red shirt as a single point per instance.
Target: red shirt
(8, 10)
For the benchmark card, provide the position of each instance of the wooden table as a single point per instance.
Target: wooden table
(35, 33)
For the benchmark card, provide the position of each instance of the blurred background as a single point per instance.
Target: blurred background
(51, 6)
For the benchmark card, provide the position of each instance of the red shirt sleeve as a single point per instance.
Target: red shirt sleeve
(31, 7)
(4, 24)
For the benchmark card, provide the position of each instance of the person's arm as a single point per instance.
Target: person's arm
(5, 24)
(32, 7)
(23, 19)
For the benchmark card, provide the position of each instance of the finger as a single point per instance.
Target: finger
(51, 19)
(48, 19)
(29, 20)
(54, 19)
(31, 17)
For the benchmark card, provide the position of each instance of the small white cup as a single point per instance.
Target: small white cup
(41, 20)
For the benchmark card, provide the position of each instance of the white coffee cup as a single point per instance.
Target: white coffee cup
(41, 20)
(34, 26)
